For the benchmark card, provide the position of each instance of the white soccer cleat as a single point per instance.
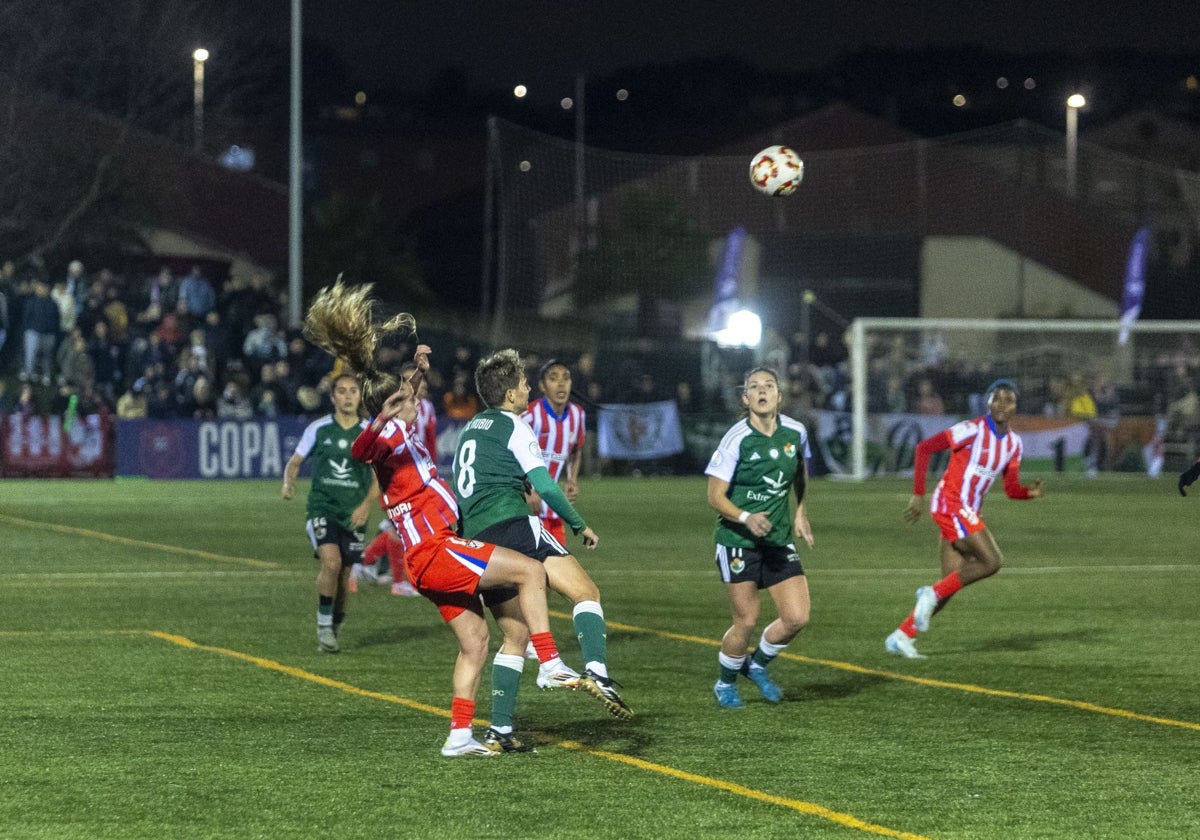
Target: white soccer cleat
(557, 676)
(901, 645)
(926, 602)
(326, 639)
(471, 747)
(404, 588)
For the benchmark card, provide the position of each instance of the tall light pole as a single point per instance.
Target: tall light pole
(199, 56)
(1074, 102)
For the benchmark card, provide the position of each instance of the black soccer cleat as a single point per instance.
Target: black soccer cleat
(505, 742)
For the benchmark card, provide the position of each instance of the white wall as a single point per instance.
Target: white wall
(969, 277)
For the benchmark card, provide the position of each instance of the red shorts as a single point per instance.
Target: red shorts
(956, 526)
(447, 572)
(556, 527)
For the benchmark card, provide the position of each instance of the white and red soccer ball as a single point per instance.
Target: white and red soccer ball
(776, 170)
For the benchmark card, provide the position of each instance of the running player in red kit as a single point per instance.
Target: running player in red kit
(446, 569)
(557, 424)
(982, 450)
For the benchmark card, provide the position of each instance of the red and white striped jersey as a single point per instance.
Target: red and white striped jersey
(417, 501)
(978, 457)
(558, 435)
(426, 424)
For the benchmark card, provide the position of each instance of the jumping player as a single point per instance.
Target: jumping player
(446, 569)
(982, 450)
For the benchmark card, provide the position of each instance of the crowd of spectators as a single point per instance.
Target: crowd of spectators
(164, 345)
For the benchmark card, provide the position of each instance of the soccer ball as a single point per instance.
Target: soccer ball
(776, 170)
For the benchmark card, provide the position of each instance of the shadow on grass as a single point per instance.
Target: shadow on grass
(397, 635)
(1022, 642)
(602, 733)
(846, 685)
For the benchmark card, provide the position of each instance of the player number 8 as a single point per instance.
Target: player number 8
(465, 470)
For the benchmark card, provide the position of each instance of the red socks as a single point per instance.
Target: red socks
(947, 586)
(543, 643)
(461, 713)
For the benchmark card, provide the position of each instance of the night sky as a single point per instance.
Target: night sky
(544, 43)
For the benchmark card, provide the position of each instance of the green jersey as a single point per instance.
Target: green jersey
(760, 470)
(495, 450)
(339, 483)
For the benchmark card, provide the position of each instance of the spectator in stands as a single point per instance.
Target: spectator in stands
(170, 333)
(40, 322)
(202, 405)
(189, 372)
(132, 404)
(76, 281)
(895, 400)
(286, 387)
(460, 401)
(928, 401)
(162, 296)
(233, 404)
(196, 297)
(107, 363)
(198, 347)
(74, 363)
(264, 343)
(26, 404)
(160, 404)
(116, 313)
(64, 299)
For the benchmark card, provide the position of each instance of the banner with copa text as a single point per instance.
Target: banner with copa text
(32, 446)
(221, 449)
(639, 431)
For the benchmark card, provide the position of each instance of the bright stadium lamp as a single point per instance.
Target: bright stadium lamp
(742, 329)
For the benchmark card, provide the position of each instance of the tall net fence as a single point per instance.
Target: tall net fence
(988, 224)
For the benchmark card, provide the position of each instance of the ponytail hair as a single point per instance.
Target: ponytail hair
(340, 320)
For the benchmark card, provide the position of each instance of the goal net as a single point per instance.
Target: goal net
(1086, 401)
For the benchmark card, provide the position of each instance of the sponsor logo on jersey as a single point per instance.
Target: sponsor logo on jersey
(776, 483)
(754, 456)
(774, 453)
(342, 471)
(341, 443)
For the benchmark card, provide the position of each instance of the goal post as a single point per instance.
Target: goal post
(1146, 381)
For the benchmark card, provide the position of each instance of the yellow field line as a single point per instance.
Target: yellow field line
(1082, 705)
(809, 808)
(100, 535)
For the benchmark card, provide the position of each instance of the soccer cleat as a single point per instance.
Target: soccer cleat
(326, 639)
(759, 676)
(727, 696)
(471, 747)
(559, 676)
(926, 601)
(901, 645)
(404, 588)
(604, 689)
(505, 742)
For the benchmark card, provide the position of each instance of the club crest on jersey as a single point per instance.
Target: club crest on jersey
(737, 565)
(789, 449)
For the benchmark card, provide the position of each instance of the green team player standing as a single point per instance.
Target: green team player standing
(339, 501)
(496, 455)
(759, 460)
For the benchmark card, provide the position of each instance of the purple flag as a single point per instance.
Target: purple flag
(1135, 283)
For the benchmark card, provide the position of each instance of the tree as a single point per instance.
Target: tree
(654, 249)
(357, 240)
(79, 79)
